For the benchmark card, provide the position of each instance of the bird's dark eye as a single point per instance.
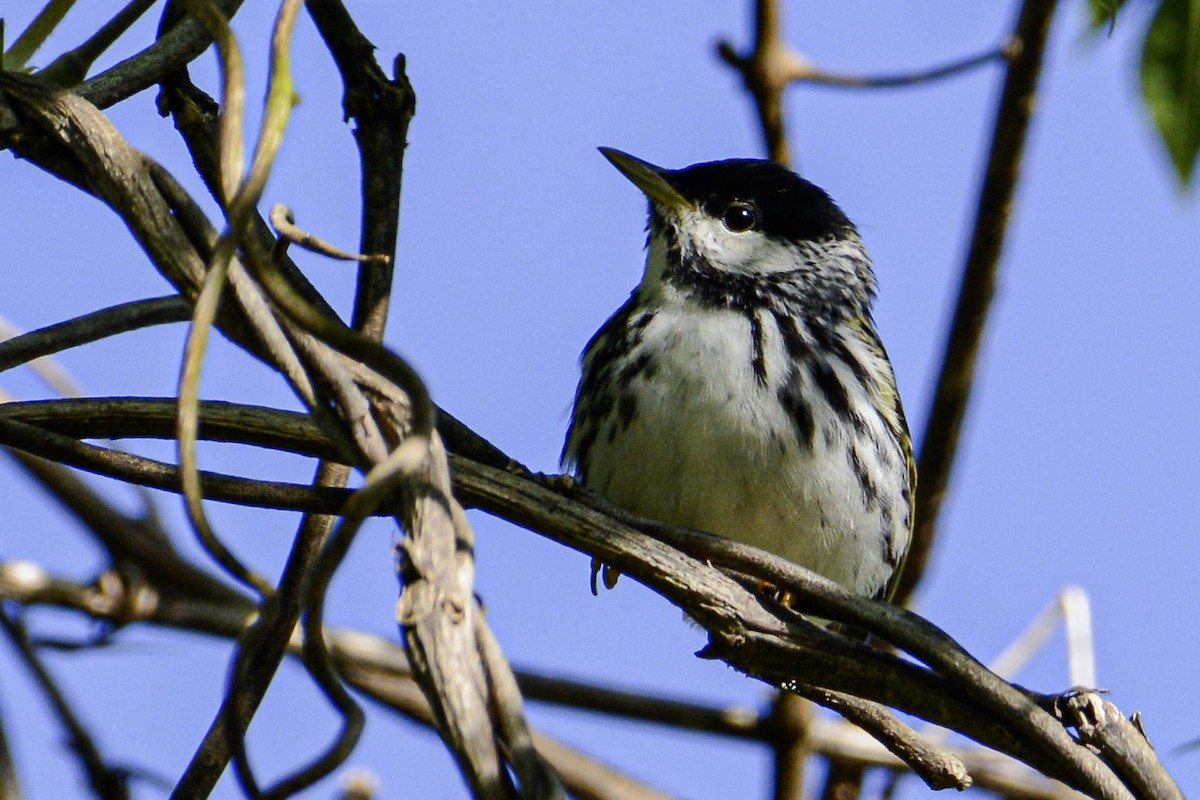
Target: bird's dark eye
(740, 217)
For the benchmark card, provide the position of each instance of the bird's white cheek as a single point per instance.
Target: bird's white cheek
(748, 252)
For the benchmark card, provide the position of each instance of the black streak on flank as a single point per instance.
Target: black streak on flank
(827, 381)
(627, 409)
(793, 342)
(758, 361)
(837, 345)
(642, 364)
(870, 493)
(800, 412)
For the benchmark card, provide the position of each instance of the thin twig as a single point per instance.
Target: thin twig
(136, 542)
(939, 768)
(377, 485)
(260, 651)
(143, 471)
(807, 73)
(772, 66)
(284, 222)
(373, 665)
(764, 73)
(51, 373)
(236, 196)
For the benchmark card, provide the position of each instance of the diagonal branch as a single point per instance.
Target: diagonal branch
(693, 570)
(939, 446)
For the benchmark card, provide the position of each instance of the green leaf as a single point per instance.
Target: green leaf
(1104, 13)
(1171, 80)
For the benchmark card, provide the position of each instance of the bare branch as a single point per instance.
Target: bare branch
(939, 444)
(108, 783)
(764, 72)
(372, 665)
(1122, 741)
(792, 721)
(938, 768)
(382, 109)
(772, 66)
(381, 669)
(72, 66)
(92, 327)
(181, 44)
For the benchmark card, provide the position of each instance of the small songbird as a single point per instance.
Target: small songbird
(742, 389)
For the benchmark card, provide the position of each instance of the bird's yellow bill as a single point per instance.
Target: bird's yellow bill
(649, 178)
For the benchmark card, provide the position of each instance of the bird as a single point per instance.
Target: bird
(742, 389)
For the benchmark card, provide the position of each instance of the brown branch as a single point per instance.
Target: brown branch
(438, 610)
(52, 126)
(380, 668)
(984, 707)
(381, 109)
(801, 71)
(80, 133)
(284, 223)
(938, 768)
(733, 721)
(158, 475)
(328, 332)
(751, 640)
(772, 66)
(957, 67)
(1122, 741)
(136, 542)
(791, 721)
(196, 118)
(584, 777)
(183, 43)
(535, 776)
(57, 426)
(258, 659)
(939, 445)
(108, 783)
(373, 665)
(764, 72)
(91, 328)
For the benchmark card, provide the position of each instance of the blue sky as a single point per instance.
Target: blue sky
(518, 239)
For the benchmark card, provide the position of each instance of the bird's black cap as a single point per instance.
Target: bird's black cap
(790, 207)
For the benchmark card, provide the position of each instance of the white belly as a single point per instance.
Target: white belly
(709, 446)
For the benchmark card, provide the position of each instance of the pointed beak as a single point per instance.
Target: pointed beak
(650, 179)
